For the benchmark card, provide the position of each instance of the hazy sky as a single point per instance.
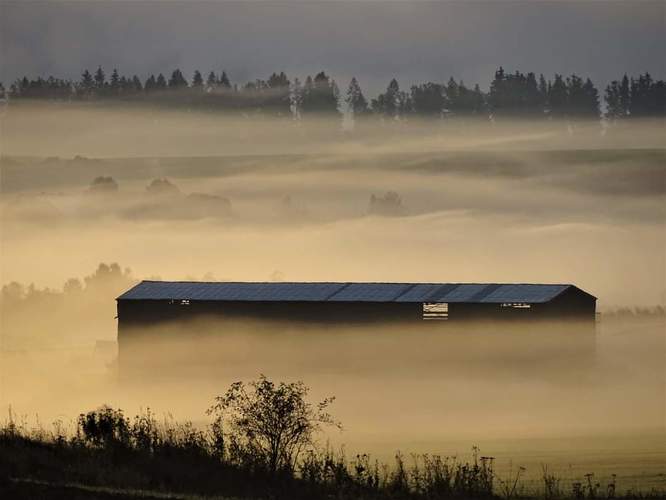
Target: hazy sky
(375, 41)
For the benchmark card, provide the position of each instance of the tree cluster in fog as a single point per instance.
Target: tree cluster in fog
(27, 311)
(389, 204)
(165, 200)
(514, 94)
(107, 277)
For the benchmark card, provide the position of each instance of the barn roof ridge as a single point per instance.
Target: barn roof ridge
(346, 291)
(357, 282)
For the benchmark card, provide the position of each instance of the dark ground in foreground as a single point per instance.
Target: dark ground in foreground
(31, 468)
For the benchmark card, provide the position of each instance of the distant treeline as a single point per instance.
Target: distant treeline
(511, 95)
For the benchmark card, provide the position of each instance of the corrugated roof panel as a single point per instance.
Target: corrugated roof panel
(370, 292)
(461, 293)
(524, 293)
(481, 294)
(419, 292)
(165, 290)
(293, 291)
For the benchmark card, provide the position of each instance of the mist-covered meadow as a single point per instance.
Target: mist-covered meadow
(152, 193)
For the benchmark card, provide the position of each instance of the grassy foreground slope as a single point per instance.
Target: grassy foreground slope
(176, 460)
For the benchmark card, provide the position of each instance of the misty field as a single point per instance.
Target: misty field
(151, 193)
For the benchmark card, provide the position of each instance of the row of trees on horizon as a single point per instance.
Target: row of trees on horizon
(511, 95)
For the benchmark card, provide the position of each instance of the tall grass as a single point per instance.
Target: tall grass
(106, 448)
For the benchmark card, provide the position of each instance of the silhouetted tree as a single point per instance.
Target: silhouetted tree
(356, 102)
(543, 92)
(136, 84)
(197, 80)
(269, 425)
(390, 204)
(479, 101)
(103, 184)
(647, 97)
(277, 98)
(224, 81)
(613, 104)
(625, 95)
(160, 83)
(177, 80)
(393, 103)
(151, 84)
(320, 95)
(162, 187)
(428, 99)
(100, 78)
(590, 105)
(211, 81)
(558, 98)
(635, 97)
(115, 80)
(516, 94)
(87, 82)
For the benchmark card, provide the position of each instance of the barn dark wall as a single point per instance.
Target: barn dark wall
(570, 305)
(574, 303)
(155, 311)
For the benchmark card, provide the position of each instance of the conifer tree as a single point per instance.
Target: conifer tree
(543, 93)
(320, 94)
(276, 92)
(625, 96)
(151, 84)
(224, 81)
(590, 108)
(115, 80)
(177, 80)
(211, 81)
(390, 103)
(479, 101)
(100, 78)
(87, 82)
(356, 102)
(612, 98)
(452, 96)
(136, 84)
(197, 80)
(558, 97)
(428, 99)
(160, 83)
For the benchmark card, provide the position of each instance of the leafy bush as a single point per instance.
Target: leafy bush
(103, 184)
(390, 204)
(162, 187)
(105, 427)
(269, 425)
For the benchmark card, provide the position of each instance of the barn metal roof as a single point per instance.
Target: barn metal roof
(345, 292)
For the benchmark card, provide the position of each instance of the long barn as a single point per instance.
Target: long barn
(152, 302)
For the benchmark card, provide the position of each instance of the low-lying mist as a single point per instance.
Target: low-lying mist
(594, 219)
(532, 394)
